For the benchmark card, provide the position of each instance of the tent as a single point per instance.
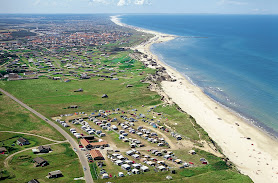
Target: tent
(135, 171)
(161, 168)
(105, 176)
(119, 162)
(125, 167)
(121, 174)
(145, 168)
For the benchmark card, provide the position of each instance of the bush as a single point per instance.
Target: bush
(187, 173)
(220, 165)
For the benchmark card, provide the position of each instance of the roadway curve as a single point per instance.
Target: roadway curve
(87, 174)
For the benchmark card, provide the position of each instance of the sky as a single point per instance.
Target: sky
(140, 6)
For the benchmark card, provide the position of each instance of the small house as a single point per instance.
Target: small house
(55, 174)
(44, 149)
(22, 141)
(38, 161)
(3, 150)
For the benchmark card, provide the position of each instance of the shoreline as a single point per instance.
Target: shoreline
(256, 157)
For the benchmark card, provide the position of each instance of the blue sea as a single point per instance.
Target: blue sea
(233, 58)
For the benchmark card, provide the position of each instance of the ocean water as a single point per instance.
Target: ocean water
(233, 58)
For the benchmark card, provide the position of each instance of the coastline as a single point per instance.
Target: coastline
(257, 157)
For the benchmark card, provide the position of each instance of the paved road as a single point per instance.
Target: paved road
(32, 135)
(73, 143)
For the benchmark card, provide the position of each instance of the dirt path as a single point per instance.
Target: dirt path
(32, 135)
(6, 161)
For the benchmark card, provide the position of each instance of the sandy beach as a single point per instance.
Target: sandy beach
(253, 151)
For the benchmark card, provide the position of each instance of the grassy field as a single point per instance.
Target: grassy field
(8, 140)
(18, 119)
(207, 176)
(62, 158)
(52, 98)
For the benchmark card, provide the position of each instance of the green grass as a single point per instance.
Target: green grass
(179, 121)
(119, 143)
(51, 98)
(198, 175)
(94, 170)
(57, 95)
(22, 169)
(8, 140)
(184, 155)
(18, 119)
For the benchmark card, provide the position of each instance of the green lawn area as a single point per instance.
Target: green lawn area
(18, 119)
(119, 143)
(207, 174)
(62, 158)
(8, 140)
(52, 98)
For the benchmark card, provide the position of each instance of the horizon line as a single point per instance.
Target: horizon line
(139, 13)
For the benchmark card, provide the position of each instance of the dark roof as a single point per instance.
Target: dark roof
(56, 172)
(39, 160)
(44, 147)
(22, 140)
(34, 181)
